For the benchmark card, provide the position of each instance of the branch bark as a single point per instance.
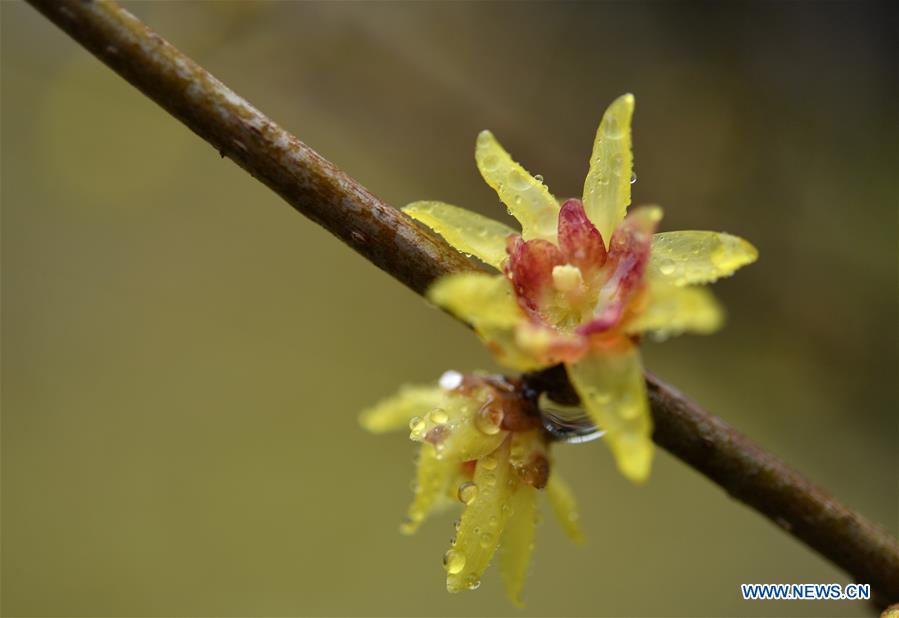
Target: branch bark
(416, 257)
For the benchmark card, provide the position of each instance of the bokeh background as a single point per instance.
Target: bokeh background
(184, 356)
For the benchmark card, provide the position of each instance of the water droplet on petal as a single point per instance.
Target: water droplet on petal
(451, 379)
(489, 418)
(468, 491)
(538, 177)
(453, 562)
(667, 267)
(633, 177)
(417, 428)
(486, 539)
(518, 180)
(438, 416)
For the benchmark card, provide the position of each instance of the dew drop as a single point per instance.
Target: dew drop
(488, 419)
(438, 416)
(417, 429)
(468, 491)
(633, 177)
(472, 582)
(491, 162)
(538, 177)
(667, 267)
(488, 462)
(518, 180)
(451, 379)
(453, 562)
(486, 539)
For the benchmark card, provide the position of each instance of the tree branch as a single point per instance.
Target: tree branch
(416, 257)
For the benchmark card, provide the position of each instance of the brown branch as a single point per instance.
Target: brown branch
(317, 189)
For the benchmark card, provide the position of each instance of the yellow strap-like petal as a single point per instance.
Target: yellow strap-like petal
(612, 389)
(689, 257)
(477, 298)
(482, 521)
(607, 189)
(431, 479)
(518, 541)
(564, 506)
(454, 430)
(527, 198)
(394, 413)
(671, 310)
(465, 230)
(487, 303)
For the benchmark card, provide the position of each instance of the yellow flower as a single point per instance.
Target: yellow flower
(484, 446)
(583, 280)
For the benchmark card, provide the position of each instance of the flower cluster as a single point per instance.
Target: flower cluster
(582, 281)
(484, 446)
(579, 285)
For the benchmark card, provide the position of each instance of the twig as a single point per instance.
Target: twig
(416, 257)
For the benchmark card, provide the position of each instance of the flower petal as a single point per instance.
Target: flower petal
(518, 541)
(482, 522)
(629, 252)
(687, 257)
(431, 479)
(580, 241)
(610, 383)
(477, 298)
(394, 413)
(527, 198)
(607, 189)
(564, 506)
(530, 267)
(547, 346)
(467, 231)
(671, 310)
(453, 429)
(488, 304)
(529, 457)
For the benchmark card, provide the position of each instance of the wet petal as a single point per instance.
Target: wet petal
(529, 456)
(564, 506)
(482, 522)
(431, 480)
(548, 346)
(629, 253)
(518, 541)
(488, 304)
(688, 257)
(607, 189)
(527, 198)
(454, 431)
(394, 413)
(671, 310)
(480, 299)
(610, 383)
(465, 230)
(580, 241)
(530, 268)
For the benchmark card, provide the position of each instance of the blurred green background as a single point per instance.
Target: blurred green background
(184, 356)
